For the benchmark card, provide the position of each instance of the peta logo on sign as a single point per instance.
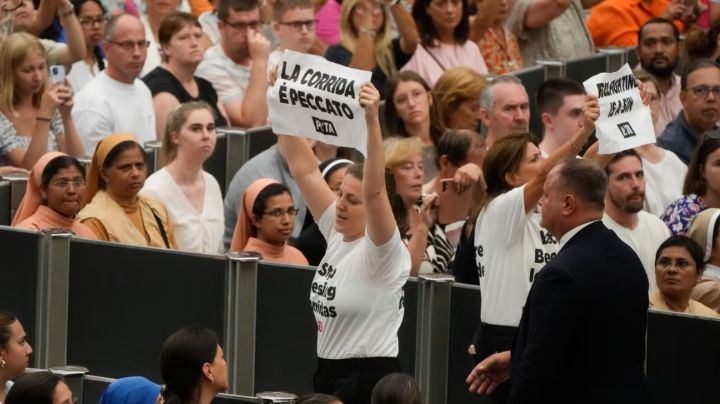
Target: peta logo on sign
(325, 127)
(626, 130)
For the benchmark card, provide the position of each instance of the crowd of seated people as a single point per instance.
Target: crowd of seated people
(452, 181)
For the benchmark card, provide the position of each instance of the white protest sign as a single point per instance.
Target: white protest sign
(624, 121)
(318, 99)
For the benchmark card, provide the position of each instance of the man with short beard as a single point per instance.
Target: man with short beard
(658, 49)
(624, 213)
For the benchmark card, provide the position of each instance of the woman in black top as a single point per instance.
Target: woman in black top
(174, 81)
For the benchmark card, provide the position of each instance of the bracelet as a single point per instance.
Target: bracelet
(67, 12)
(42, 118)
(369, 31)
(392, 3)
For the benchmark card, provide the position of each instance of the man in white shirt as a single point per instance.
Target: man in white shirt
(658, 49)
(504, 107)
(237, 65)
(624, 214)
(116, 100)
(560, 103)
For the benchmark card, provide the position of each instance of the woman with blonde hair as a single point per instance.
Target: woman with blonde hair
(456, 100)
(34, 116)
(366, 39)
(191, 195)
(429, 249)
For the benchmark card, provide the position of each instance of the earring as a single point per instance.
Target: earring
(2, 364)
(212, 380)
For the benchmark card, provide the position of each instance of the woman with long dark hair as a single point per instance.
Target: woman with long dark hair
(192, 367)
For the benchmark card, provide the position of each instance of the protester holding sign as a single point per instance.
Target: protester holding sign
(366, 39)
(356, 295)
(510, 244)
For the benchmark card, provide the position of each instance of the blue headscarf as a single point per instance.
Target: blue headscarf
(131, 390)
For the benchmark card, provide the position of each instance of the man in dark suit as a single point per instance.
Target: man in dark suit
(582, 332)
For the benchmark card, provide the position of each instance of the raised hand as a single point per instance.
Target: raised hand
(258, 45)
(490, 373)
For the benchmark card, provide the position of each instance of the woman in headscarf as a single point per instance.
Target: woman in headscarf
(266, 221)
(116, 211)
(55, 193)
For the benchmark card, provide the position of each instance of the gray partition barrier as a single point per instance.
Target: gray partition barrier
(683, 358)
(125, 301)
(582, 69)
(20, 252)
(217, 162)
(464, 319)
(5, 203)
(242, 145)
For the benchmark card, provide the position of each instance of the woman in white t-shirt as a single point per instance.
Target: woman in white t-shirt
(191, 196)
(356, 295)
(15, 351)
(510, 245)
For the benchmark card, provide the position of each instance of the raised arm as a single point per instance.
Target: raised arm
(304, 169)
(481, 22)
(533, 189)
(541, 12)
(364, 55)
(409, 36)
(380, 220)
(73, 33)
(251, 110)
(70, 142)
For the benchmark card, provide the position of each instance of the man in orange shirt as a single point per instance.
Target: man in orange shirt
(616, 22)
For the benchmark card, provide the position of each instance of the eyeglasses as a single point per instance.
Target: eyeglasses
(665, 263)
(298, 25)
(64, 183)
(130, 46)
(414, 95)
(244, 26)
(89, 21)
(279, 212)
(702, 91)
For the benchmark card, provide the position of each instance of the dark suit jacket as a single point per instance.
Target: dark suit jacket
(582, 332)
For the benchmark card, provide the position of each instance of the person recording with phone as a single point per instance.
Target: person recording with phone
(35, 114)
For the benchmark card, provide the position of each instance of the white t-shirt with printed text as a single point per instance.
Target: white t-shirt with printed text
(357, 296)
(510, 249)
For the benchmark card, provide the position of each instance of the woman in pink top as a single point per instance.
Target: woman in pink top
(444, 29)
(55, 193)
(265, 223)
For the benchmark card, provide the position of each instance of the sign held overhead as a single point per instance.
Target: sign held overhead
(317, 99)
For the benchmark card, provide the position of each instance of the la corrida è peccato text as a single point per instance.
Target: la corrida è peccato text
(321, 81)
